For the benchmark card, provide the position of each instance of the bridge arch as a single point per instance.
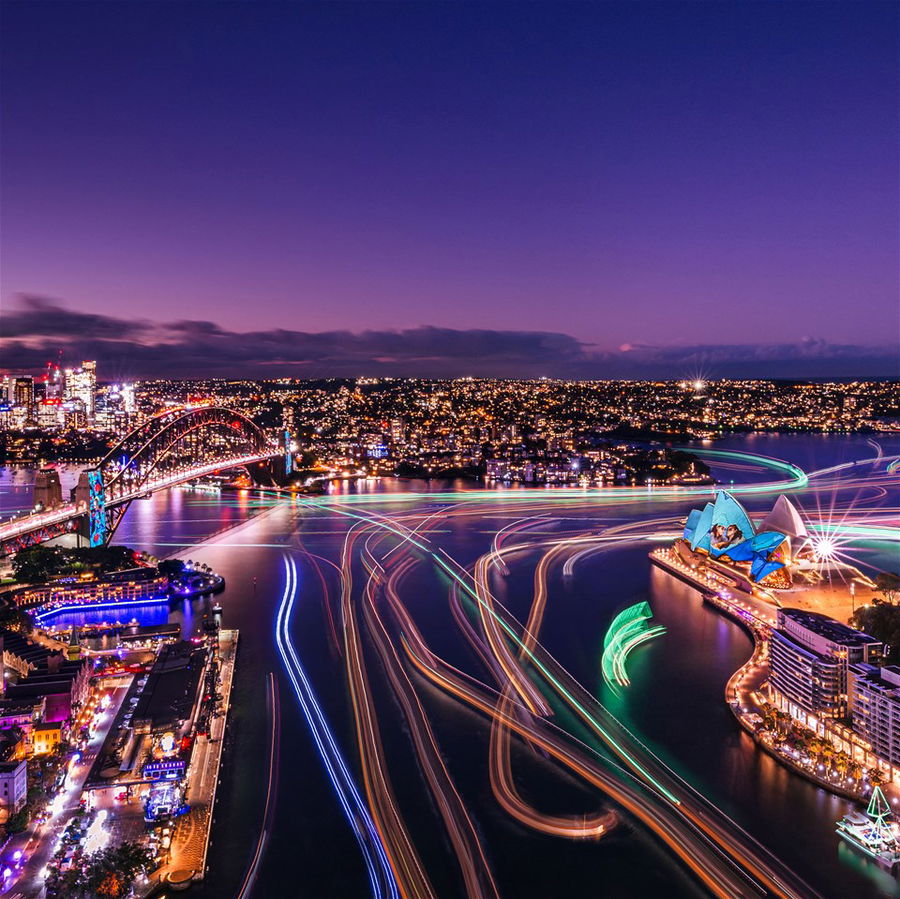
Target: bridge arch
(179, 440)
(170, 448)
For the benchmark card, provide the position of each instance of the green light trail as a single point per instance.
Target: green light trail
(390, 526)
(628, 629)
(797, 478)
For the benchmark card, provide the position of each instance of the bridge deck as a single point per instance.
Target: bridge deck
(23, 525)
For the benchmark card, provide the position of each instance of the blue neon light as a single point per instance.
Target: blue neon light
(97, 508)
(80, 607)
(380, 873)
(288, 461)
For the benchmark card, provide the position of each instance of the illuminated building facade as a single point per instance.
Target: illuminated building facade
(23, 394)
(722, 530)
(115, 408)
(46, 737)
(53, 382)
(874, 701)
(13, 785)
(81, 387)
(811, 655)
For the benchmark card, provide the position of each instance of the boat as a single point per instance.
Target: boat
(873, 832)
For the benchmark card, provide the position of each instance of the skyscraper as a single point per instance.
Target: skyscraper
(128, 400)
(81, 385)
(23, 392)
(53, 382)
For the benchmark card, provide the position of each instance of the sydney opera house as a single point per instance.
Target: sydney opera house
(771, 553)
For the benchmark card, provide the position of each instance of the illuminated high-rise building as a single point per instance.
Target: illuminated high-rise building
(129, 404)
(810, 654)
(81, 386)
(23, 392)
(115, 407)
(73, 414)
(50, 413)
(53, 382)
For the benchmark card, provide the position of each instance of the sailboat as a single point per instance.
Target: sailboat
(874, 832)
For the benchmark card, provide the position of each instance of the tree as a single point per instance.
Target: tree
(171, 567)
(14, 619)
(72, 883)
(888, 585)
(18, 821)
(782, 722)
(882, 621)
(855, 771)
(842, 762)
(37, 564)
(112, 884)
(111, 872)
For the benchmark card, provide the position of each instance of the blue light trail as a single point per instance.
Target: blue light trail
(381, 875)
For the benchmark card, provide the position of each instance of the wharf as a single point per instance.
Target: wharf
(191, 840)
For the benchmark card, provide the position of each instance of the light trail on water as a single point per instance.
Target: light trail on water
(271, 788)
(381, 875)
(524, 692)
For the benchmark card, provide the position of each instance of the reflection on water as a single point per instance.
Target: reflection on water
(184, 612)
(151, 613)
(675, 701)
(870, 870)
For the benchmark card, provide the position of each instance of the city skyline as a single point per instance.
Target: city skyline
(450, 450)
(580, 191)
(630, 512)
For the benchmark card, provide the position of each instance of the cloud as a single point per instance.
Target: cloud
(39, 328)
(807, 358)
(40, 316)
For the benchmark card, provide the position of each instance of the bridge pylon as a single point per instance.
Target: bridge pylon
(99, 521)
(171, 448)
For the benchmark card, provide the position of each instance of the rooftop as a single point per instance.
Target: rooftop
(171, 689)
(12, 707)
(842, 634)
(886, 677)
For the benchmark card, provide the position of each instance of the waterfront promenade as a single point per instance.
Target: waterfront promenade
(190, 842)
(747, 692)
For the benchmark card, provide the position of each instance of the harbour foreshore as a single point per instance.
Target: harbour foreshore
(192, 838)
(748, 692)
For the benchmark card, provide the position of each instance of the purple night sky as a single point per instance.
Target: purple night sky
(575, 190)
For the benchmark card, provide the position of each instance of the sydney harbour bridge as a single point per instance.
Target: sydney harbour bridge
(171, 448)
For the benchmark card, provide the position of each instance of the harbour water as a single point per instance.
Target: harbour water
(674, 702)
